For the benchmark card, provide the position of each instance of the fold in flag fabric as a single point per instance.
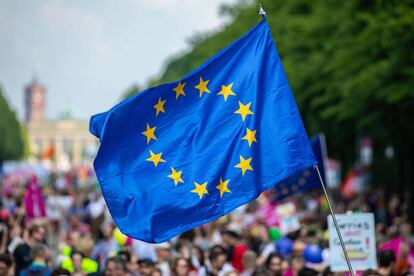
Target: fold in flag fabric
(185, 153)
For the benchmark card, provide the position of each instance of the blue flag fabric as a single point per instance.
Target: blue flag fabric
(188, 152)
(307, 179)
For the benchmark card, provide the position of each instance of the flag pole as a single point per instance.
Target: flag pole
(261, 11)
(348, 261)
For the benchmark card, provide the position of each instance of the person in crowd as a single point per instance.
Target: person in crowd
(198, 260)
(235, 248)
(60, 272)
(144, 250)
(370, 272)
(297, 264)
(132, 266)
(156, 272)
(131, 261)
(163, 251)
(274, 264)
(180, 267)
(386, 262)
(105, 246)
(232, 273)
(6, 263)
(306, 271)
(21, 254)
(249, 263)
(218, 261)
(73, 239)
(39, 254)
(183, 250)
(326, 272)
(77, 258)
(262, 271)
(146, 267)
(115, 266)
(56, 204)
(76, 224)
(77, 261)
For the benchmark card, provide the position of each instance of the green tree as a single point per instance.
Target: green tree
(350, 65)
(132, 90)
(11, 135)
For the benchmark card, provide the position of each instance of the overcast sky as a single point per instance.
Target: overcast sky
(87, 53)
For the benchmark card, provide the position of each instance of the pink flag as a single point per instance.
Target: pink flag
(395, 245)
(33, 200)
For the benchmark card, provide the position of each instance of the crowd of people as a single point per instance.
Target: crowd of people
(75, 235)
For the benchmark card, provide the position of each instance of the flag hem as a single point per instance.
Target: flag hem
(174, 233)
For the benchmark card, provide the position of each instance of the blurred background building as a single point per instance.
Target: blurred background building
(63, 140)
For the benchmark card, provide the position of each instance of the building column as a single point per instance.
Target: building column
(77, 150)
(58, 148)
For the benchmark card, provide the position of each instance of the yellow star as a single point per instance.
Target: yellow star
(155, 158)
(244, 110)
(250, 136)
(226, 91)
(159, 107)
(222, 187)
(244, 164)
(149, 133)
(200, 189)
(202, 86)
(179, 89)
(176, 176)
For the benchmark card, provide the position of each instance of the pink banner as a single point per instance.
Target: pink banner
(33, 200)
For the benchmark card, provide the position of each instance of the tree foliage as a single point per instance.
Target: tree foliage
(350, 65)
(11, 134)
(132, 90)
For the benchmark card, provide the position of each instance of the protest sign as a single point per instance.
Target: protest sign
(358, 232)
(288, 218)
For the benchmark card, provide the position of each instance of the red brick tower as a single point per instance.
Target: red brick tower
(35, 102)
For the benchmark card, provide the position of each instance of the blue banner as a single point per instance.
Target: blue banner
(188, 152)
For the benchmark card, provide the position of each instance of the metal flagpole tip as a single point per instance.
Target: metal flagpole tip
(261, 11)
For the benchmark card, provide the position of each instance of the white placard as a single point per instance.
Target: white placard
(358, 233)
(288, 218)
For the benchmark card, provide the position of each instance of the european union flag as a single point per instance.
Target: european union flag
(307, 179)
(188, 152)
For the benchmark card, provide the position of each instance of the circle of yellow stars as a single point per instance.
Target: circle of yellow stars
(284, 188)
(176, 175)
